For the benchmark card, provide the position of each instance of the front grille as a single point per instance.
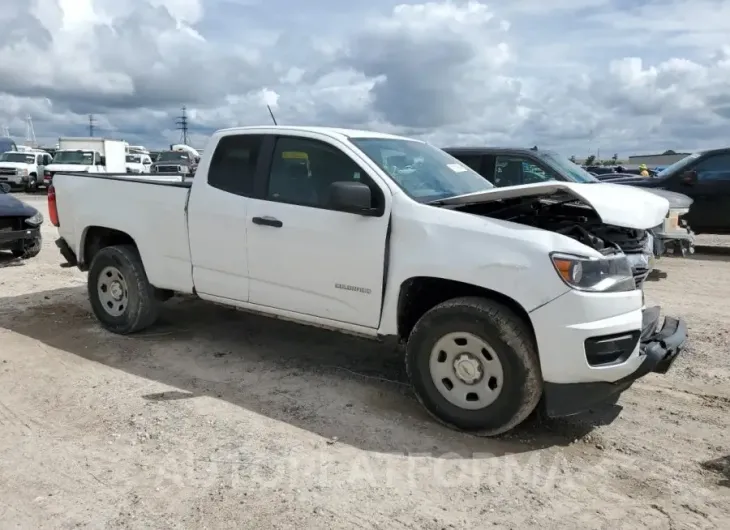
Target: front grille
(168, 169)
(8, 171)
(10, 224)
(640, 275)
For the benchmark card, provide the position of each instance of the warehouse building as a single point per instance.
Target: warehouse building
(665, 159)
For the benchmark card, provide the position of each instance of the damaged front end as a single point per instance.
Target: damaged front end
(659, 346)
(580, 223)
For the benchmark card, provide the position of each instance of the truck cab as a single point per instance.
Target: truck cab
(24, 169)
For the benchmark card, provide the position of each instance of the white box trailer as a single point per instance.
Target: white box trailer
(113, 151)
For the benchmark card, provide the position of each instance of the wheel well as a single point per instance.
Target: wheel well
(418, 295)
(99, 237)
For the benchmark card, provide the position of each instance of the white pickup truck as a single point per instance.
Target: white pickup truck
(497, 310)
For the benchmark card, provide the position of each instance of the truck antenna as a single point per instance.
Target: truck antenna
(271, 113)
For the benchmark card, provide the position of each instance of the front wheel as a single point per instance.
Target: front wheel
(474, 366)
(32, 185)
(120, 294)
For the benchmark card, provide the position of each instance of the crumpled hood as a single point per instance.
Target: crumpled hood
(10, 206)
(676, 200)
(616, 205)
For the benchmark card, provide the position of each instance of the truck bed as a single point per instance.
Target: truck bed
(150, 210)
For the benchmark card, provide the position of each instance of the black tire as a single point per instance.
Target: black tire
(512, 341)
(24, 252)
(142, 308)
(32, 185)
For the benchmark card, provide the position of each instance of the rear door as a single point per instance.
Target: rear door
(217, 213)
(304, 257)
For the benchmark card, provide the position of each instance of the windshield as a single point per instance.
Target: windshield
(17, 157)
(677, 166)
(424, 172)
(82, 158)
(134, 159)
(573, 172)
(172, 156)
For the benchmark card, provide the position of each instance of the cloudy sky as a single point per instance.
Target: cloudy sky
(621, 76)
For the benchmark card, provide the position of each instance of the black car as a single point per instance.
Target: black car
(704, 177)
(20, 226)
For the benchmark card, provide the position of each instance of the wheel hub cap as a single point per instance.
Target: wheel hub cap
(468, 369)
(116, 290)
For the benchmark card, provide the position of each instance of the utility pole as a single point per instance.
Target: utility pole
(91, 125)
(182, 125)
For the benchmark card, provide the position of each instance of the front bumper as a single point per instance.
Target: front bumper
(15, 180)
(659, 346)
(11, 239)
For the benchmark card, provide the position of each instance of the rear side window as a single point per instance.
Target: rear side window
(233, 165)
(473, 161)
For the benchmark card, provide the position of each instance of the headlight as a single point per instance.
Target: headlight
(184, 169)
(36, 220)
(595, 274)
(23, 172)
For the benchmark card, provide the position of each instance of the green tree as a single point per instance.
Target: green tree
(591, 160)
(573, 159)
(615, 158)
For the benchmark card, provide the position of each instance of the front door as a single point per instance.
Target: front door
(710, 211)
(304, 257)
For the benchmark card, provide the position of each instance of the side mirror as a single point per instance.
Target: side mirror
(352, 197)
(5, 187)
(689, 178)
(102, 161)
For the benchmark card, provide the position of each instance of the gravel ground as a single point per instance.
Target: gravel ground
(219, 419)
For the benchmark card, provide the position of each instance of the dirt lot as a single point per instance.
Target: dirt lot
(219, 419)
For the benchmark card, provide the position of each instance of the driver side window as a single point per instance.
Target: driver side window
(302, 171)
(714, 168)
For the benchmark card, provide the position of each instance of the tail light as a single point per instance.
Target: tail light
(47, 175)
(52, 208)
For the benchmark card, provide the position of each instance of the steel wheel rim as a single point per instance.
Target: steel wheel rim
(466, 370)
(112, 291)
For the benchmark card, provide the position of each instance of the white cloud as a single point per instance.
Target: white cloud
(567, 74)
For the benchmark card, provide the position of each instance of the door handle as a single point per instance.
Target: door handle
(268, 221)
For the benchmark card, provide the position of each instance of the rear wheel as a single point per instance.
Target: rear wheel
(474, 366)
(120, 294)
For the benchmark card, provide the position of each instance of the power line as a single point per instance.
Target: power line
(91, 125)
(182, 125)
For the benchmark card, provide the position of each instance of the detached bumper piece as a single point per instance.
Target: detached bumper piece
(660, 345)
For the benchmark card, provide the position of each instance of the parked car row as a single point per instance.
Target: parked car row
(505, 299)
